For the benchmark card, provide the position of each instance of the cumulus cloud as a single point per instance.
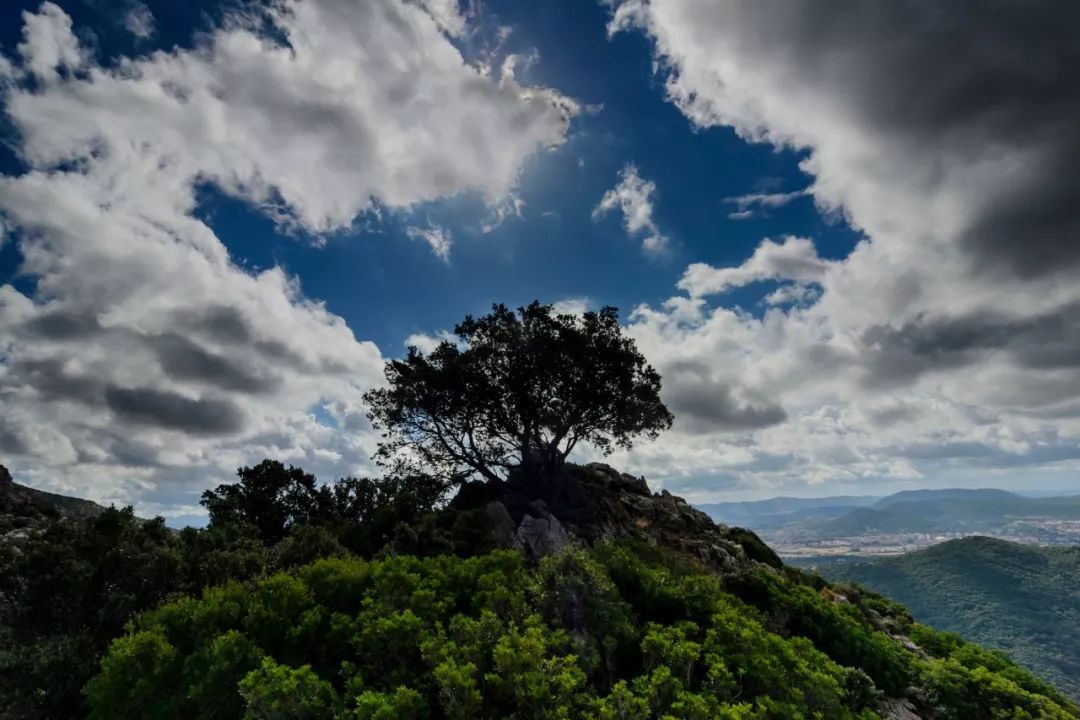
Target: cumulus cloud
(572, 306)
(146, 363)
(426, 343)
(793, 258)
(939, 132)
(634, 198)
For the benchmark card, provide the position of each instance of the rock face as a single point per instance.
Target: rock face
(539, 536)
(898, 709)
(594, 503)
(23, 508)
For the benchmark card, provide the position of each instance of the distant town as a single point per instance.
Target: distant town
(1028, 530)
(859, 526)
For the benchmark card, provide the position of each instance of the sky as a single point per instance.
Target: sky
(846, 232)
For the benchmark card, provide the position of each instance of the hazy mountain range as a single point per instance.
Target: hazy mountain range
(905, 520)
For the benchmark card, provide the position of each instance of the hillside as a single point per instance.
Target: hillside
(1022, 599)
(587, 596)
(23, 508)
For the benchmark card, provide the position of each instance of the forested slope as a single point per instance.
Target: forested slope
(1022, 599)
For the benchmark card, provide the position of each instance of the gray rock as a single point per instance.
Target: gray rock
(540, 536)
(620, 481)
(898, 709)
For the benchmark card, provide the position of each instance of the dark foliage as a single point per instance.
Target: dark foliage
(71, 586)
(522, 390)
(269, 497)
(65, 594)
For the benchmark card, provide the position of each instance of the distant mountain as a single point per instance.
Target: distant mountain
(980, 496)
(1022, 599)
(779, 511)
(932, 511)
(22, 508)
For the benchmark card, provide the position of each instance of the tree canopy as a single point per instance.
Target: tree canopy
(518, 389)
(273, 499)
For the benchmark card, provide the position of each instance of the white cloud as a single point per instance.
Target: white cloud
(944, 346)
(502, 209)
(755, 204)
(438, 239)
(427, 343)
(447, 15)
(48, 43)
(572, 306)
(147, 363)
(634, 198)
(794, 258)
(139, 21)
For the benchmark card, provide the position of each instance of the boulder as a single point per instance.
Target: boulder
(540, 536)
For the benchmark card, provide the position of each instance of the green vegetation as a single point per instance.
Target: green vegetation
(613, 632)
(1021, 599)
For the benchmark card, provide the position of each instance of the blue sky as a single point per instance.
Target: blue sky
(555, 250)
(872, 315)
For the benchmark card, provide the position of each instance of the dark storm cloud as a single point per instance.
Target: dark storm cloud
(987, 77)
(946, 84)
(64, 325)
(229, 326)
(53, 382)
(184, 359)
(171, 411)
(219, 322)
(703, 405)
(11, 441)
(1050, 341)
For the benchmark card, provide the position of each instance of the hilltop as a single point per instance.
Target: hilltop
(1022, 599)
(585, 596)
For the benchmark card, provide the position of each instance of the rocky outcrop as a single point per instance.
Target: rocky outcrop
(898, 709)
(23, 508)
(539, 536)
(594, 503)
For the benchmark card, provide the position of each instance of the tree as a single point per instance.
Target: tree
(276, 502)
(517, 390)
(270, 497)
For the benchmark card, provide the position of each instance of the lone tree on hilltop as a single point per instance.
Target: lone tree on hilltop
(518, 390)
